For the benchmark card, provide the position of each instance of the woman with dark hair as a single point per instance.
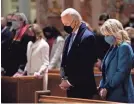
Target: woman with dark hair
(56, 44)
(102, 46)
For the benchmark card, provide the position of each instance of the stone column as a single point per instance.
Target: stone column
(68, 4)
(42, 12)
(6, 7)
(24, 7)
(76, 5)
(96, 11)
(86, 10)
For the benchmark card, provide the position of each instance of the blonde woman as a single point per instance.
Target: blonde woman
(116, 84)
(37, 55)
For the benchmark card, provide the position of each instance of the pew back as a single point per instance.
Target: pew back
(20, 89)
(43, 98)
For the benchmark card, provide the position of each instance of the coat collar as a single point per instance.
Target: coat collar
(114, 49)
(77, 38)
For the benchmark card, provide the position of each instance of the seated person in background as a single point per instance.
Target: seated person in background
(116, 84)
(101, 45)
(37, 55)
(130, 31)
(56, 44)
(130, 23)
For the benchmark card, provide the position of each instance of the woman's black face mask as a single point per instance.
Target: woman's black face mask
(33, 39)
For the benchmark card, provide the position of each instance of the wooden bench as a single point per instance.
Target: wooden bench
(20, 89)
(44, 97)
(54, 80)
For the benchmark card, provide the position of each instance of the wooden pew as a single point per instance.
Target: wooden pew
(20, 89)
(53, 83)
(54, 80)
(44, 97)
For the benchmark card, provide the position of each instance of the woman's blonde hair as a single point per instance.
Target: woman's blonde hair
(115, 28)
(37, 31)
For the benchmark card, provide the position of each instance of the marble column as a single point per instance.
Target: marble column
(68, 4)
(6, 7)
(86, 10)
(24, 7)
(42, 12)
(96, 11)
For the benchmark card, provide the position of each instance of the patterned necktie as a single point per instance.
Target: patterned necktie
(71, 42)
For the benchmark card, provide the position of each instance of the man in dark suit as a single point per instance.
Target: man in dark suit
(5, 37)
(78, 58)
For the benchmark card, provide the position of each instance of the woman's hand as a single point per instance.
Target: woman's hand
(18, 74)
(103, 93)
(38, 75)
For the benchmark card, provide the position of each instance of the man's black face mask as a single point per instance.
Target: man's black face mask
(68, 29)
(9, 23)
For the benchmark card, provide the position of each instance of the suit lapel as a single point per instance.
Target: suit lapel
(77, 39)
(103, 64)
(66, 46)
(111, 57)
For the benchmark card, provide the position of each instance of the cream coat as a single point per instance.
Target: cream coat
(38, 59)
(56, 53)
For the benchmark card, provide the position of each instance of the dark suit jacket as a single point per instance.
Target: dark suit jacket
(77, 65)
(5, 37)
(16, 55)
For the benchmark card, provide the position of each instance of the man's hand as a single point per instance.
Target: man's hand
(38, 75)
(103, 93)
(65, 85)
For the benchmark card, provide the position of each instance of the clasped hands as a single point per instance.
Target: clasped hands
(65, 84)
(103, 93)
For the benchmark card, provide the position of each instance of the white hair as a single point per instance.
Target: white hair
(23, 17)
(72, 12)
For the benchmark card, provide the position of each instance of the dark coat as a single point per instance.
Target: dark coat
(5, 37)
(16, 55)
(77, 65)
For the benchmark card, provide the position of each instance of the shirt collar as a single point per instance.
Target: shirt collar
(76, 31)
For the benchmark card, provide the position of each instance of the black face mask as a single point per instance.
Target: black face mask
(68, 29)
(33, 39)
(48, 35)
(9, 24)
(2, 27)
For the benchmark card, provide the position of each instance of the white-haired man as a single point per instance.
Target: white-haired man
(78, 57)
